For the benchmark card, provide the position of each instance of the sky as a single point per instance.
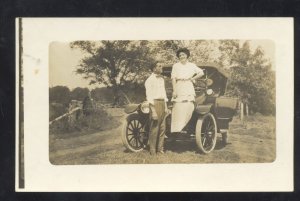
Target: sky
(63, 61)
(62, 65)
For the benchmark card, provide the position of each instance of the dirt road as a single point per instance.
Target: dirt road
(250, 142)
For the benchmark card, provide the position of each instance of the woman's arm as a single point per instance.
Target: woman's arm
(173, 77)
(174, 95)
(198, 75)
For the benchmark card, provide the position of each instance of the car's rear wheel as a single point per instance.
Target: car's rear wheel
(134, 133)
(206, 133)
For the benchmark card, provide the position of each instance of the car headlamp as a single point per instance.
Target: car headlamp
(209, 92)
(145, 108)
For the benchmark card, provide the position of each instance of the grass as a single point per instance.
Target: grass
(257, 125)
(251, 141)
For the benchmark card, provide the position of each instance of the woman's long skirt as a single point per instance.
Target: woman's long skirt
(181, 115)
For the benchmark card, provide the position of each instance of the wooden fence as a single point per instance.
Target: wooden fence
(76, 107)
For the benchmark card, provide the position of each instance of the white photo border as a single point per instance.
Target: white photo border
(42, 176)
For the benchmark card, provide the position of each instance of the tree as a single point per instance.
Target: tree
(228, 49)
(60, 94)
(202, 51)
(79, 93)
(252, 79)
(114, 63)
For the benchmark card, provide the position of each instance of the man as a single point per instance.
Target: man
(157, 98)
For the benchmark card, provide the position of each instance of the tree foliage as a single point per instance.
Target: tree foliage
(79, 93)
(252, 79)
(202, 51)
(60, 94)
(134, 92)
(113, 63)
(121, 65)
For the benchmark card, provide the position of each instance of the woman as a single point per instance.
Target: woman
(183, 75)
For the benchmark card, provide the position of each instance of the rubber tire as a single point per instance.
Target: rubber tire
(129, 118)
(198, 133)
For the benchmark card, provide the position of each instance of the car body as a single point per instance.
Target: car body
(212, 114)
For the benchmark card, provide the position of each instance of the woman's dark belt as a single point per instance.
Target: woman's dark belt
(159, 99)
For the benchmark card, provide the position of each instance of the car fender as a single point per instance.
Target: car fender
(131, 108)
(203, 109)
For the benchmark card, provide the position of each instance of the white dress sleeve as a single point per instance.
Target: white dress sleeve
(174, 72)
(197, 70)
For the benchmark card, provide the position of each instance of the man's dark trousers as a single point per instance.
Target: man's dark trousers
(158, 127)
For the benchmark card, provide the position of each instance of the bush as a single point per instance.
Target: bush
(56, 110)
(97, 120)
(61, 126)
(102, 94)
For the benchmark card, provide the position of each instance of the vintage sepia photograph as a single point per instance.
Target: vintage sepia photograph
(187, 104)
(162, 101)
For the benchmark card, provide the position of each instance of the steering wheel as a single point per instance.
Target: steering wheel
(203, 83)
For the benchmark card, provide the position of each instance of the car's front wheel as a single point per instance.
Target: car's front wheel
(134, 133)
(206, 133)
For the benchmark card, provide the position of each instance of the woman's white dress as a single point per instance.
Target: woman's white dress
(183, 105)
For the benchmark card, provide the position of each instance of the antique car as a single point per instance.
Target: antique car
(212, 114)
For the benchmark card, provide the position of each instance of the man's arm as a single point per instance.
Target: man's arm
(149, 96)
(149, 91)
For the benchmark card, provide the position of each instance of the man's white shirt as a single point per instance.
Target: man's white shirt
(155, 88)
